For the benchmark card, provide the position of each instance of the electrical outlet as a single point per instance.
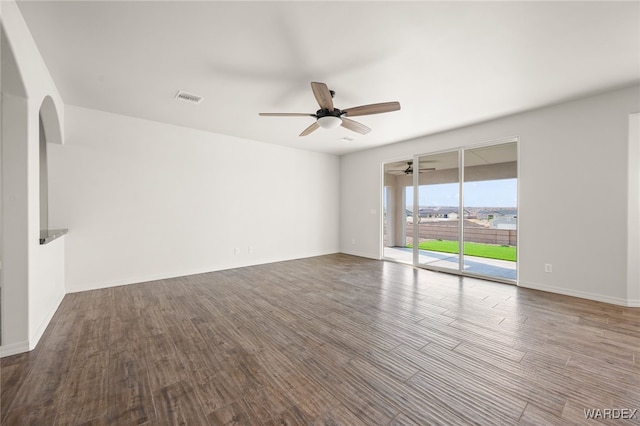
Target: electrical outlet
(250, 249)
(548, 267)
(353, 241)
(236, 250)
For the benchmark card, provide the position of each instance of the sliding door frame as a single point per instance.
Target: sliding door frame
(460, 150)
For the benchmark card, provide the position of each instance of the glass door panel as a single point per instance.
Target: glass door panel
(438, 205)
(490, 211)
(397, 217)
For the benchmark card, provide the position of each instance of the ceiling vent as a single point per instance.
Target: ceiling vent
(189, 97)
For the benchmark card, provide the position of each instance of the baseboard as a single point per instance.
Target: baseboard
(360, 254)
(14, 349)
(139, 279)
(186, 273)
(33, 340)
(633, 303)
(581, 294)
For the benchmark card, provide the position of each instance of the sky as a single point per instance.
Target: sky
(488, 193)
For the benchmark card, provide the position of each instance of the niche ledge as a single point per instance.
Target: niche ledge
(48, 235)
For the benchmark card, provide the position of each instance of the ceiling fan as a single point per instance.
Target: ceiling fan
(329, 117)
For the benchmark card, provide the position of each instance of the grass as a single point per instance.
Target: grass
(489, 251)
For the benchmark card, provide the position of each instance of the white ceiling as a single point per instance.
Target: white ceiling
(449, 64)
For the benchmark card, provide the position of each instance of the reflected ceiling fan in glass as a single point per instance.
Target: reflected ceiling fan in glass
(405, 167)
(409, 169)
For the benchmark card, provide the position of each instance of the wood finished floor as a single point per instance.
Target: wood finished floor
(327, 340)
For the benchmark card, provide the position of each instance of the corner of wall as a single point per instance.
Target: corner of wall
(26, 83)
(633, 211)
(360, 254)
(36, 335)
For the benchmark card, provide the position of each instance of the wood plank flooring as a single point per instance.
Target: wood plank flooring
(327, 340)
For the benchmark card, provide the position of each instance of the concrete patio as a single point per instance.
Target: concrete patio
(502, 269)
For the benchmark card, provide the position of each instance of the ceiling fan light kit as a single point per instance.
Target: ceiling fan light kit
(329, 121)
(329, 117)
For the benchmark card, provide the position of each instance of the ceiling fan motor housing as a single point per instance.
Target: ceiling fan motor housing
(329, 119)
(326, 113)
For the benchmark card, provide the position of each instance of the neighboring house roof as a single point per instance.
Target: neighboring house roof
(500, 212)
(454, 223)
(438, 210)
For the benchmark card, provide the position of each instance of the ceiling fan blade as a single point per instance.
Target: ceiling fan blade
(372, 109)
(355, 126)
(310, 129)
(285, 114)
(323, 95)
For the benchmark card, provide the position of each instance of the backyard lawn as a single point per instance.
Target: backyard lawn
(471, 249)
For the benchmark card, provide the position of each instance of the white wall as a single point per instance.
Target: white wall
(572, 192)
(47, 287)
(145, 200)
(1, 228)
(32, 275)
(633, 216)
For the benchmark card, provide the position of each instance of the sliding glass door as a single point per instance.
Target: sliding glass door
(490, 203)
(455, 211)
(438, 205)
